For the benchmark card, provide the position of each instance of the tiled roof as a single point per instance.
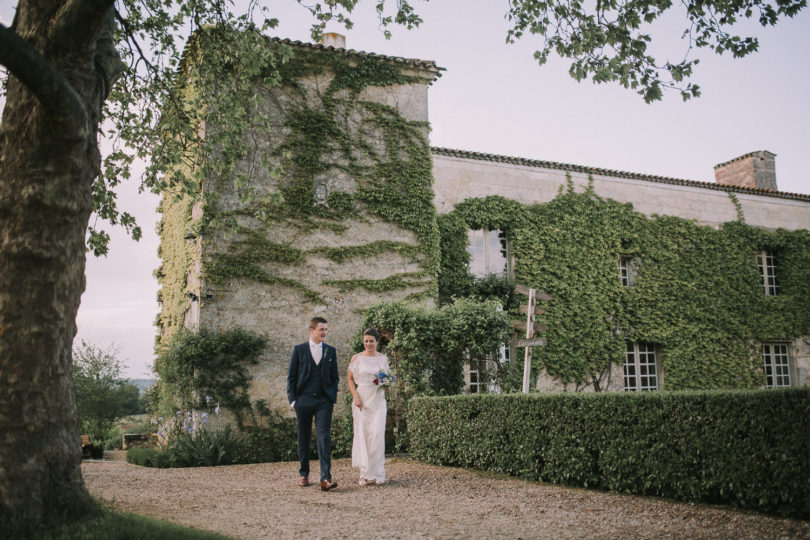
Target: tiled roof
(428, 65)
(610, 172)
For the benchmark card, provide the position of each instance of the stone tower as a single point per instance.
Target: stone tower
(339, 215)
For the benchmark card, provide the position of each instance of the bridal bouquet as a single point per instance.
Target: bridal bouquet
(384, 379)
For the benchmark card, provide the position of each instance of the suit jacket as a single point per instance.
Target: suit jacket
(301, 362)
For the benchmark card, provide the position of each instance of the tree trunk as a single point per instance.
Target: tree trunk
(48, 162)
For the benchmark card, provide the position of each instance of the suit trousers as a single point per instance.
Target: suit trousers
(320, 408)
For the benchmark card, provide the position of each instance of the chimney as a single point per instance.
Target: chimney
(753, 170)
(333, 39)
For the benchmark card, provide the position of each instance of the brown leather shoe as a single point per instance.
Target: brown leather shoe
(326, 485)
(303, 481)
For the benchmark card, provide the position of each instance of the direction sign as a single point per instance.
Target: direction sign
(537, 309)
(536, 342)
(540, 295)
(537, 327)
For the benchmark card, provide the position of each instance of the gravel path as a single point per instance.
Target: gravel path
(418, 501)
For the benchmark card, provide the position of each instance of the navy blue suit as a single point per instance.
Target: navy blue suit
(313, 388)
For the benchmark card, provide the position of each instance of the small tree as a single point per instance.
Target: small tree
(102, 397)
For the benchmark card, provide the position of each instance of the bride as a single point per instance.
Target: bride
(368, 409)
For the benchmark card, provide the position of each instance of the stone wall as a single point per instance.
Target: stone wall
(279, 310)
(457, 179)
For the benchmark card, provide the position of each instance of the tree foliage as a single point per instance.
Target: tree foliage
(102, 396)
(78, 71)
(157, 115)
(610, 41)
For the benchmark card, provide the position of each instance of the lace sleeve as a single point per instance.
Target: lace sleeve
(350, 364)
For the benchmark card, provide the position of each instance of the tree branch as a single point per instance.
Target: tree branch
(59, 99)
(77, 21)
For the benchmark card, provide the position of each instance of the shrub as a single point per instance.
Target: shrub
(276, 440)
(97, 450)
(113, 439)
(744, 448)
(148, 457)
(204, 448)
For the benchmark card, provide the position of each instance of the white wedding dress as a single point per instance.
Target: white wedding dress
(368, 446)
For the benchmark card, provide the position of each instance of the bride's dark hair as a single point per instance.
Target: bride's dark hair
(372, 332)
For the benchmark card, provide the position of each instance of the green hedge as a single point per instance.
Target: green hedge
(749, 449)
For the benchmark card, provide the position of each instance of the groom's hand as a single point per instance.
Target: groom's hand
(292, 405)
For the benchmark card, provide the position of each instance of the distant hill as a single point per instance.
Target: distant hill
(142, 384)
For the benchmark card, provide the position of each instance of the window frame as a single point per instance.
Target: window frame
(637, 366)
(505, 250)
(788, 364)
(768, 264)
(628, 269)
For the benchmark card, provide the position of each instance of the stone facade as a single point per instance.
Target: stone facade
(281, 309)
(279, 306)
(460, 175)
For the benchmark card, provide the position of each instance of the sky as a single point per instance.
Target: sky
(494, 98)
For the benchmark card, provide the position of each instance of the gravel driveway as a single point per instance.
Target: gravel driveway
(418, 501)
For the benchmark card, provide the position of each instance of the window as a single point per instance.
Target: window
(777, 364)
(640, 367)
(477, 385)
(488, 253)
(481, 373)
(766, 260)
(628, 269)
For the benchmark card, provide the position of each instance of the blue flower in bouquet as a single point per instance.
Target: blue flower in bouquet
(384, 379)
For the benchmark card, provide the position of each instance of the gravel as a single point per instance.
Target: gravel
(418, 501)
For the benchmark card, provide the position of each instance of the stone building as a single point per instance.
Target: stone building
(461, 175)
(352, 219)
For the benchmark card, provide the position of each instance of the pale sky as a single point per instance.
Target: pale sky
(493, 98)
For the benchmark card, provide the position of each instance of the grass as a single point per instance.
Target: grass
(102, 524)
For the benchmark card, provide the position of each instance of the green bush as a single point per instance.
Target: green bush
(113, 438)
(749, 449)
(275, 440)
(148, 457)
(204, 448)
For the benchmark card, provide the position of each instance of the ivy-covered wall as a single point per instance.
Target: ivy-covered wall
(698, 295)
(326, 209)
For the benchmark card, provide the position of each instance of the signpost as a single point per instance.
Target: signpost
(531, 310)
(535, 342)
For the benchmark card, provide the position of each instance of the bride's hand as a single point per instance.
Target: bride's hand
(357, 402)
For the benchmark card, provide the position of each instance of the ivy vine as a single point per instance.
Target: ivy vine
(335, 129)
(698, 294)
(201, 366)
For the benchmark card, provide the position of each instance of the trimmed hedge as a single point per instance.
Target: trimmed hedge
(749, 449)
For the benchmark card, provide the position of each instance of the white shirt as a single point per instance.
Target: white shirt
(317, 351)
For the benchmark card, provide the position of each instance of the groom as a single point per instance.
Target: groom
(312, 383)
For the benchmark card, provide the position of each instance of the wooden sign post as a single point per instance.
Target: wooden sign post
(527, 358)
(531, 310)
